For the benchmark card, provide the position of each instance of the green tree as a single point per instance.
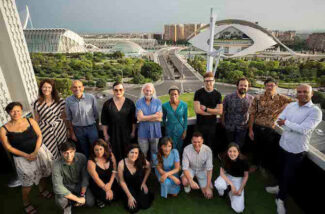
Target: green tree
(100, 83)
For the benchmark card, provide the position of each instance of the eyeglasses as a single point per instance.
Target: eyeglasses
(208, 81)
(118, 89)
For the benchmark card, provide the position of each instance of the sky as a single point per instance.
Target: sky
(113, 16)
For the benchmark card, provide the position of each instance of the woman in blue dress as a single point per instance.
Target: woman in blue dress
(175, 118)
(167, 167)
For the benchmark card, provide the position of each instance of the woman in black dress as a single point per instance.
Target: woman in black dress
(102, 169)
(133, 172)
(118, 120)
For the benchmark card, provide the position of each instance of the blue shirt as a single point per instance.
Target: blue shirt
(299, 126)
(148, 129)
(82, 112)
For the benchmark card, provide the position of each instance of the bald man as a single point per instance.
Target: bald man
(82, 116)
(298, 120)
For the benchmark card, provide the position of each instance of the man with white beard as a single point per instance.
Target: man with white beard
(149, 115)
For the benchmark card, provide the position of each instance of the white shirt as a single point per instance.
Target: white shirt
(201, 161)
(299, 126)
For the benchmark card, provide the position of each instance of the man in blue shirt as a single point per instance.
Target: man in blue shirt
(149, 115)
(82, 116)
(298, 119)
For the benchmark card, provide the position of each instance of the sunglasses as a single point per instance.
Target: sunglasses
(117, 90)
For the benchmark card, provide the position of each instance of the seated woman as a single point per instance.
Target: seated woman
(167, 167)
(133, 172)
(22, 137)
(233, 177)
(102, 169)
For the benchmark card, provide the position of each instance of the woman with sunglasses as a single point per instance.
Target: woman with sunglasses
(118, 120)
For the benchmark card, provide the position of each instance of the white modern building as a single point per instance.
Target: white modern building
(54, 40)
(108, 43)
(128, 48)
(17, 79)
(237, 38)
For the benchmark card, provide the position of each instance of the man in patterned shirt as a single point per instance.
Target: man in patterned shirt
(235, 113)
(263, 113)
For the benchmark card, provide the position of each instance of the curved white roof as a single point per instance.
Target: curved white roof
(261, 38)
(128, 47)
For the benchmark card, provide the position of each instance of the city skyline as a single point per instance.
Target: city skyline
(119, 16)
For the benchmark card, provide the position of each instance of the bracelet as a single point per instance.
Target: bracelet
(206, 109)
(82, 195)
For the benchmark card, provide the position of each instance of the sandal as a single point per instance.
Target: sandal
(100, 204)
(30, 209)
(46, 194)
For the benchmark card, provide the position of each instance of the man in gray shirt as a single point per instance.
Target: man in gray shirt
(197, 162)
(82, 116)
(70, 179)
(235, 113)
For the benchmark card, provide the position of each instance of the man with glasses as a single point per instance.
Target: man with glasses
(263, 113)
(207, 104)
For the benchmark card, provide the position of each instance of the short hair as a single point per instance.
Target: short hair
(270, 80)
(117, 83)
(197, 134)
(242, 79)
(174, 88)
(11, 105)
(67, 145)
(208, 74)
(233, 144)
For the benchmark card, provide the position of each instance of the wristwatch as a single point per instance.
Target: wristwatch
(206, 109)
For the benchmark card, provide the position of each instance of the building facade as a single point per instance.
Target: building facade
(316, 41)
(54, 40)
(17, 79)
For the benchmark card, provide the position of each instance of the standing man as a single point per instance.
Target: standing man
(263, 113)
(299, 119)
(70, 179)
(197, 162)
(149, 115)
(207, 104)
(82, 117)
(235, 113)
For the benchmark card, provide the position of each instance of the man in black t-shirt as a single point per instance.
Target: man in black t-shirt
(207, 104)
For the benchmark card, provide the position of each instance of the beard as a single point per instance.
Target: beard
(242, 91)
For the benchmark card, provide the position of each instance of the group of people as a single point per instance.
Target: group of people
(114, 168)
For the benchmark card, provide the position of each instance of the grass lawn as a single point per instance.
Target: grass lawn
(257, 201)
(186, 97)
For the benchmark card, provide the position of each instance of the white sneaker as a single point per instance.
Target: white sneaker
(15, 182)
(272, 190)
(187, 189)
(280, 206)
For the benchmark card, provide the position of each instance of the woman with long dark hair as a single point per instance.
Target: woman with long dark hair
(133, 173)
(233, 177)
(167, 167)
(50, 114)
(102, 169)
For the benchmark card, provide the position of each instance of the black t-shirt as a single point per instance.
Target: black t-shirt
(210, 100)
(235, 168)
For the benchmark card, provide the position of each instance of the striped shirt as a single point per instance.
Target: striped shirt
(201, 161)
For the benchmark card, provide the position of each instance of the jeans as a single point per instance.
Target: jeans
(237, 136)
(290, 162)
(144, 145)
(266, 148)
(86, 136)
(65, 204)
